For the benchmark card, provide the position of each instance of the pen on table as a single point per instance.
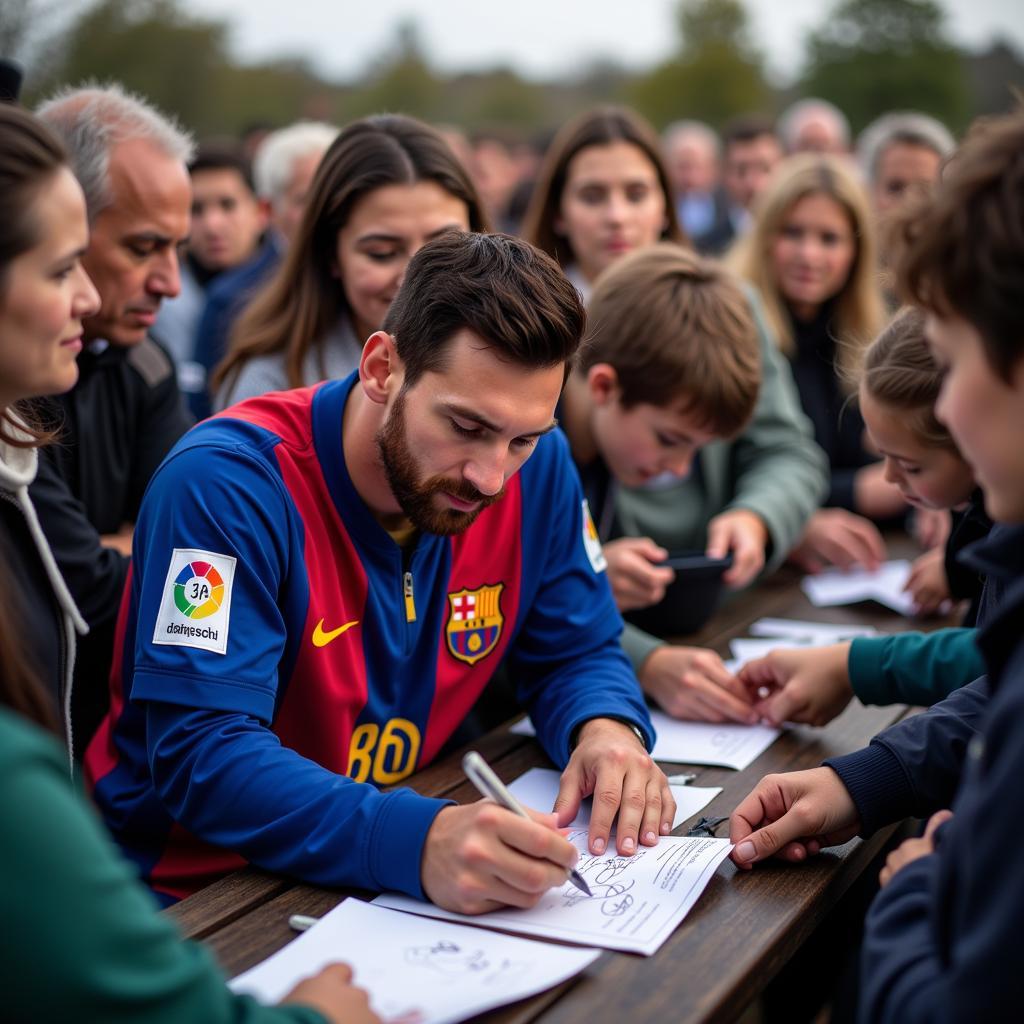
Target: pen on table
(301, 922)
(480, 773)
(683, 779)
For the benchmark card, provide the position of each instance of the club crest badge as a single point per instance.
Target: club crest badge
(474, 622)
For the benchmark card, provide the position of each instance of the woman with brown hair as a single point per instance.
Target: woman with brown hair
(602, 192)
(386, 186)
(90, 944)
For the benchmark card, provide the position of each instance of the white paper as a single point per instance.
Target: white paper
(746, 649)
(636, 902)
(538, 787)
(732, 746)
(443, 972)
(819, 633)
(835, 586)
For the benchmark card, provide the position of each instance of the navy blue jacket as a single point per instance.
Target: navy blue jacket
(941, 940)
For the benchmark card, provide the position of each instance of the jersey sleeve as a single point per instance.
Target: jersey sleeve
(568, 658)
(214, 544)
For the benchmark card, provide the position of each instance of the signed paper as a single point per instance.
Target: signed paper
(635, 903)
(834, 586)
(538, 788)
(433, 972)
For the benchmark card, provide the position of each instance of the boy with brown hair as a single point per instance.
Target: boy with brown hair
(675, 363)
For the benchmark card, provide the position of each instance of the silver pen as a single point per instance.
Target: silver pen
(480, 773)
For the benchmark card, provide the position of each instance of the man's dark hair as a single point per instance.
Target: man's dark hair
(962, 247)
(746, 128)
(222, 156)
(503, 289)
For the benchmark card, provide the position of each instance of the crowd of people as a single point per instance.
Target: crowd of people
(301, 459)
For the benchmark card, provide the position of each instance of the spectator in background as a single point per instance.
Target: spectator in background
(495, 176)
(751, 152)
(283, 173)
(125, 412)
(386, 186)
(227, 224)
(902, 153)
(814, 126)
(812, 255)
(693, 157)
(602, 191)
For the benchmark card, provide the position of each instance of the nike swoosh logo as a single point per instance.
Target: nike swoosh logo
(322, 639)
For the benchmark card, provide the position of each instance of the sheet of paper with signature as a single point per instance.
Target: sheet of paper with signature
(636, 902)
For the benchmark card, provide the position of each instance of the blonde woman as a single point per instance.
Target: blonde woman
(812, 255)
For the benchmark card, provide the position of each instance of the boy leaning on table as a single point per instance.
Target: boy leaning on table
(942, 938)
(324, 581)
(678, 376)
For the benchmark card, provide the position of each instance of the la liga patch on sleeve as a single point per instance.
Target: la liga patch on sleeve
(195, 606)
(591, 541)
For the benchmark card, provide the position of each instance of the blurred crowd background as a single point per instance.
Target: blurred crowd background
(865, 56)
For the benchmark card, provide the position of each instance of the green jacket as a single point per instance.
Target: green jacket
(774, 468)
(85, 939)
(913, 668)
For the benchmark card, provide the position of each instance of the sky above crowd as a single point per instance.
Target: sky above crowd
(539, 38)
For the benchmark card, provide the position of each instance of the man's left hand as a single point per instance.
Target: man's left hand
(611, 764)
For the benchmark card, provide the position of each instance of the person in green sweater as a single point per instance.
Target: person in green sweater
(86, 939)
(676, 377)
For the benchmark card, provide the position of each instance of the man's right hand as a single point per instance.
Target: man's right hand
(636, 579)
(805, 685)
(792, 816)
(480, 856)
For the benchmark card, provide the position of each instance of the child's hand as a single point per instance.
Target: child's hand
(744, 534)
(693, 684)
(927, 583)
(834, 536)
(931, 527)
(636, 579)
(799, 685)
(910, 849)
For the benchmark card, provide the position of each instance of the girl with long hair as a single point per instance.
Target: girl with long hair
(386, 186)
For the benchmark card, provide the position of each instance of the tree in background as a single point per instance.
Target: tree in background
(870, 56)
(716, 74)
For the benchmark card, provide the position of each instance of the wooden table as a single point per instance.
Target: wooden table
(745, 926)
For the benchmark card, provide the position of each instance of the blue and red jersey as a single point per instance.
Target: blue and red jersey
(282, 656)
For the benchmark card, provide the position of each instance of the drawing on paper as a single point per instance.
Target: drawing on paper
(453, 961)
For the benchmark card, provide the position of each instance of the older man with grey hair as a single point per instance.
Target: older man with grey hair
(283, 171)
(693, 153)
(814, 126)
(900, 153)
(125, 412)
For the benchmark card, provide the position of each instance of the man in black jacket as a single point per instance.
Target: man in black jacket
(125, 412)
